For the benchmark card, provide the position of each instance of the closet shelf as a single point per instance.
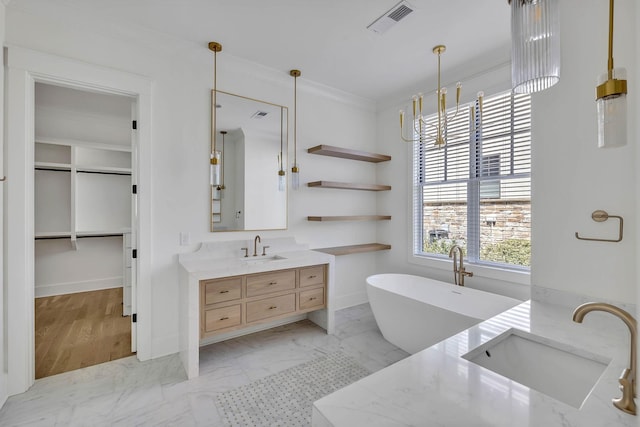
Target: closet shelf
(346, 153)
(354, 249)
(53, 235)
(349, 186)
(83, 144)
(350, 218)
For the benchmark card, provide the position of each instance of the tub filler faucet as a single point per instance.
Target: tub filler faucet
(628, 377)
(458, 265)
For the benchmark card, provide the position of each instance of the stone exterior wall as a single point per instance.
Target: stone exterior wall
(499, 220)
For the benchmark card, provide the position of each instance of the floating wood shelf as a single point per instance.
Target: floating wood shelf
(349, 186)
(354, 249)
(346, 153)
(350, 218)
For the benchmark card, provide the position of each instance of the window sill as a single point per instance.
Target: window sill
(496, 273)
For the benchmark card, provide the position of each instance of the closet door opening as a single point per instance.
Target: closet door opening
(84, 228)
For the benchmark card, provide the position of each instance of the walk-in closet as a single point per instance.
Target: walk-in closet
(83, 228)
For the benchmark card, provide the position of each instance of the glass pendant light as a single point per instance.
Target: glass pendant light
(535, 48)
(282, 179)
(611, 100)
(214, 160)
(295, 169)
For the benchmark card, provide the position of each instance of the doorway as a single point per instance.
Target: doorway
(83, 225)
(25, 68)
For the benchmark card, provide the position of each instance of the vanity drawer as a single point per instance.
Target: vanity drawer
(310, 276)
(270, 307)
(264, 283)
(311, 298)
(222, 290)
(220, 318)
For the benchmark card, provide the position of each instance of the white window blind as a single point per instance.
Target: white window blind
(475, 191)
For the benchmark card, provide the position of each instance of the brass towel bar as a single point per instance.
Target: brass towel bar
(601, 216)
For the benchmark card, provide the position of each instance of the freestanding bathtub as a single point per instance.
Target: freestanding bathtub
(415, 312)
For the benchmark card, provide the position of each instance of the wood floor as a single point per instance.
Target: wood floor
(78, 330)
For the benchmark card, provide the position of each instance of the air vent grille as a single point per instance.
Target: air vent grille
(391, 17)
(400, 13)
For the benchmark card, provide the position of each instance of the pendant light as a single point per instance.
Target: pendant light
(282, 179)
(611, 100)
(221, 186)
(295, 169)
(535, 45)
(214, 168)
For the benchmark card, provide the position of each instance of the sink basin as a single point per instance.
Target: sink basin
(563, 372)
(262, 259)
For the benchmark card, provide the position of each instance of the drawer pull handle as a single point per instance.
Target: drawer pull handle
(224, 318)
(312, 277)
(312, 298)
(273, 283)
(273, 307)
(224, 292)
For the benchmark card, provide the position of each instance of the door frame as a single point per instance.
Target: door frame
(25, 67)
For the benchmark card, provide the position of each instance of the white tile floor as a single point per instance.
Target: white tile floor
(126, 392)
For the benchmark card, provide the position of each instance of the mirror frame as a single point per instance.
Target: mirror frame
(284, 127)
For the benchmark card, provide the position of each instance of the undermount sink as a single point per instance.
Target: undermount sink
(262, 259)
(558, 370)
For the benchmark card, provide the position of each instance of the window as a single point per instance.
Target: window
(476, 191)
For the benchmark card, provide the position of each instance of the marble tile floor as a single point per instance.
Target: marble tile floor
(126, 392)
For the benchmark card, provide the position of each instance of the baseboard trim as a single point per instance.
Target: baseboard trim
(75, 287)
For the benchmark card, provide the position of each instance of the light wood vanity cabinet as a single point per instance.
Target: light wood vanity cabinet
(232, 303)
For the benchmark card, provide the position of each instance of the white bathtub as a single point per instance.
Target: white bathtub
(415, 312)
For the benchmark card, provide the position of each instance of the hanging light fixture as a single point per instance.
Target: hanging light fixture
(611, 100)
(295, 170)
(423, 131)
(214, 168)
(282, 180)
(535, 45)
(221, 185)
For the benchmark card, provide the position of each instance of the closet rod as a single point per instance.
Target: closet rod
(52, 169)
(79, 237)
(105, 173)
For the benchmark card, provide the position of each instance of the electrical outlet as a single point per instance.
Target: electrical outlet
(185, 238)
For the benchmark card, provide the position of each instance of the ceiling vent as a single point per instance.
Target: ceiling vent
(391, 17)
(259, 114)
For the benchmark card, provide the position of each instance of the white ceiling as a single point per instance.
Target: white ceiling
(326, 39)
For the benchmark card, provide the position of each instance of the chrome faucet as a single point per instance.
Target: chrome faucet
(458, 265)
(255, 244)
(627, 379)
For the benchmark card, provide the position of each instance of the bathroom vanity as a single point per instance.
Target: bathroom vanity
(224, 294)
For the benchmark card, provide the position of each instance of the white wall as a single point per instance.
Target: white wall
(571, 176)
(182, 74)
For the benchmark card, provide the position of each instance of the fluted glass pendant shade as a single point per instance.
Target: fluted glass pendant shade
(214, 169)
(612, 114)
(282, 180)
(535, 48)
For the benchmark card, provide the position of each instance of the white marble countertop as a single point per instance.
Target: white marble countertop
(225, 259)
(437, 387)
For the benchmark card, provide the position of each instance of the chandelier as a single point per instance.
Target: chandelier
(422, 130)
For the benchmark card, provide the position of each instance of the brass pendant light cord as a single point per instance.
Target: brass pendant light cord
(610, 61)
(215, 47)
(295, 74)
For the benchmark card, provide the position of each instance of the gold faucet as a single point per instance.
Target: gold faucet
(627, 379)
(255, 245)
(458, 265)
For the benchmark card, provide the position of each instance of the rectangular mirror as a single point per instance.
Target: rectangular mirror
(251, 146)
